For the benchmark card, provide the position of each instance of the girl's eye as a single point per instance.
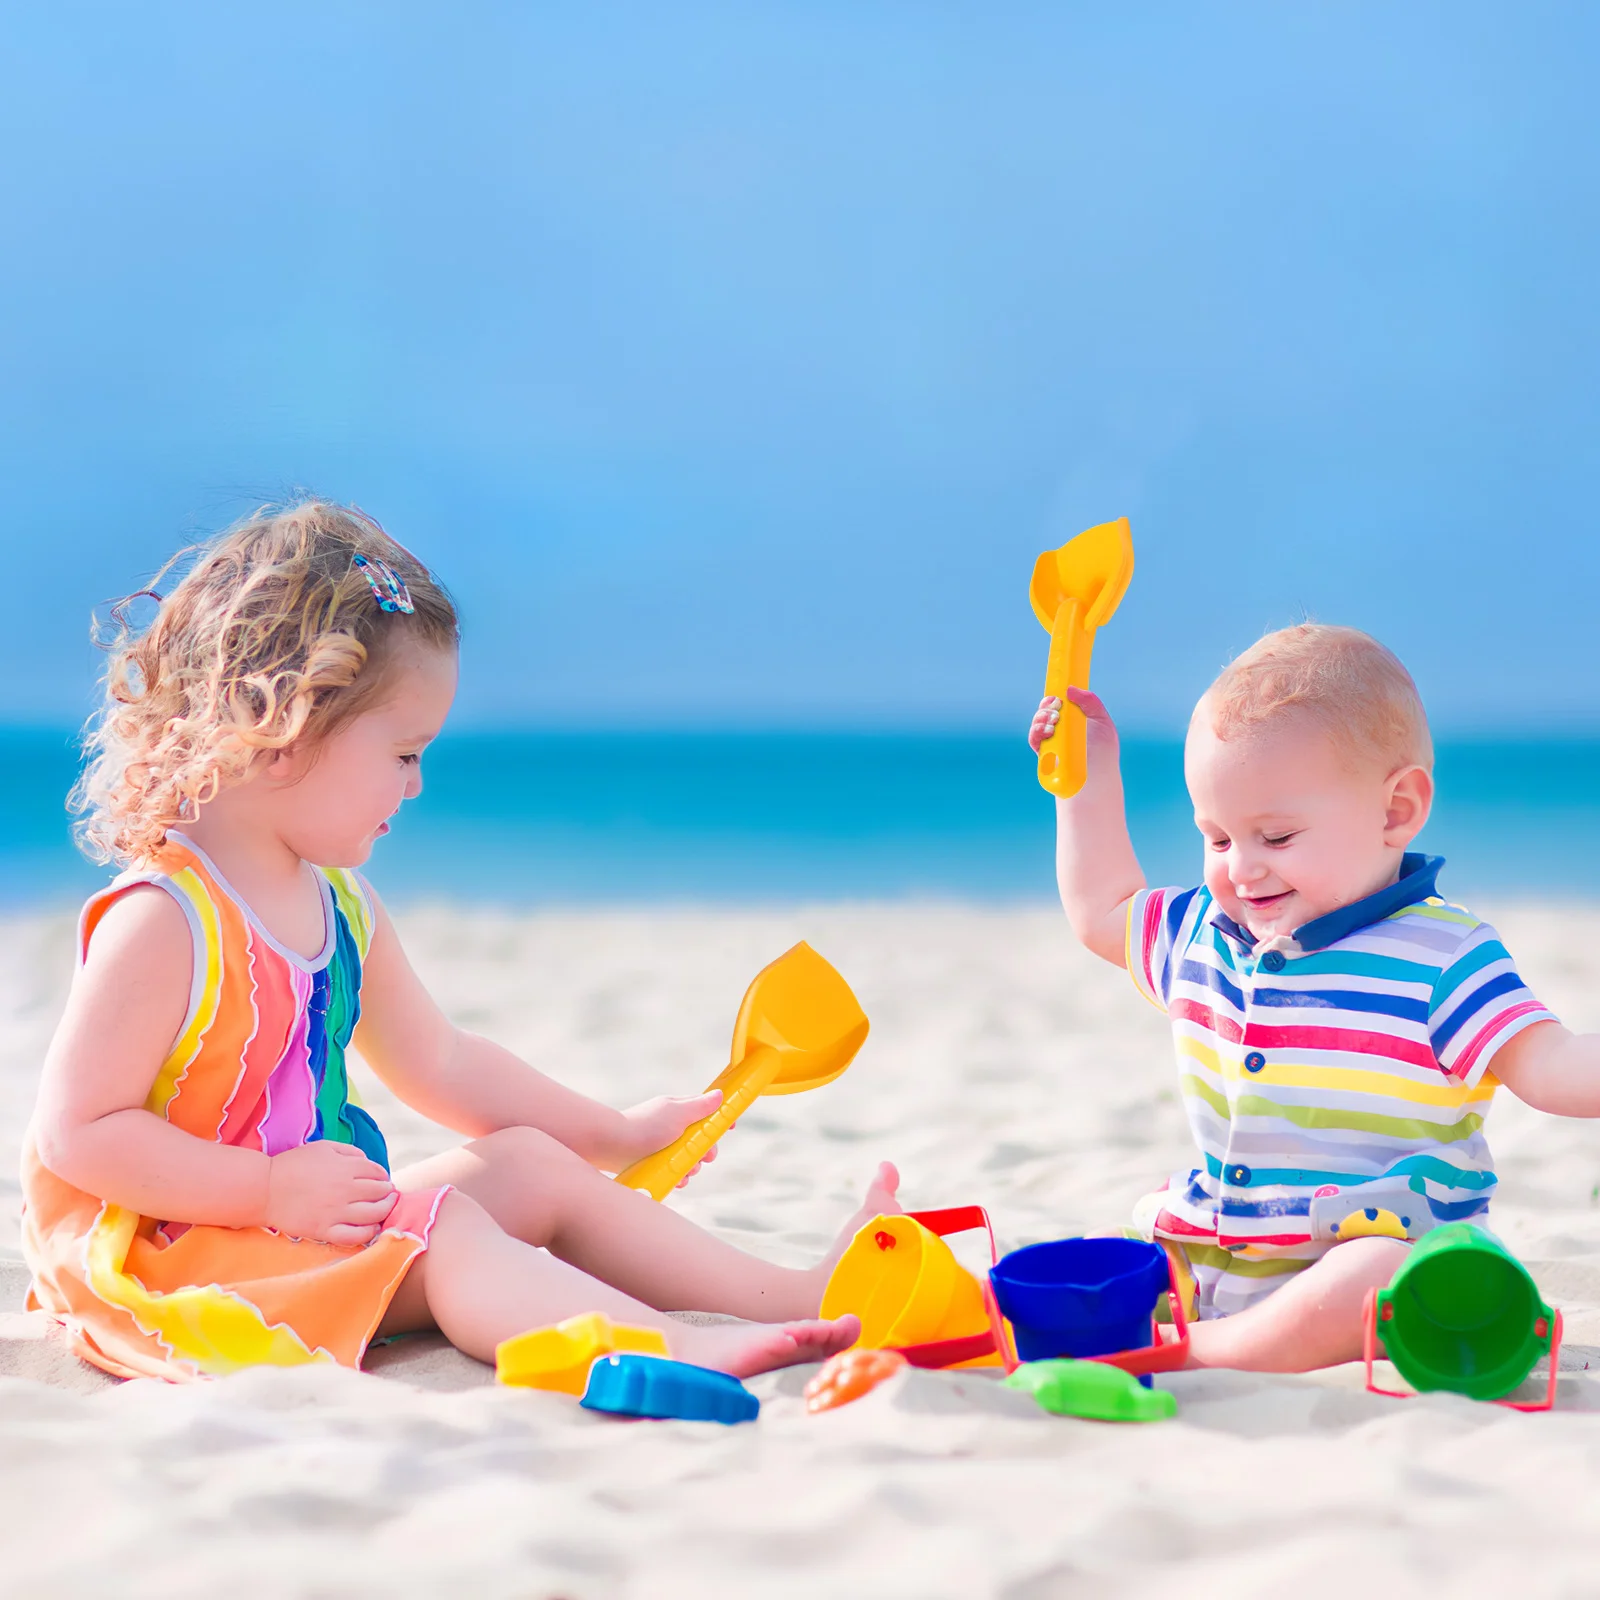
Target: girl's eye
(410, 760)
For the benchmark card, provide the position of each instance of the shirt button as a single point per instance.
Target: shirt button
(1255, 1061)
(1274, 961)
(1238, 1175)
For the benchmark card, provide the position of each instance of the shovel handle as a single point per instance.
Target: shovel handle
(1064, 756)
(741, 1084)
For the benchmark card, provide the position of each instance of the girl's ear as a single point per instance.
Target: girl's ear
(1410, 801)
(282, 766)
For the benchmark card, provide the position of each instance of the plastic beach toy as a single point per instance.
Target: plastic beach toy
(798, 1028)
(647, 1386)
(1074, 590)
(851, 1374)
(1463, 1314)
(912, 1295)
(559, 1358)
(1091, 1389)
(1089, 1298)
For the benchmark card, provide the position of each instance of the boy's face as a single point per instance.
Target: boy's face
(1294, 826)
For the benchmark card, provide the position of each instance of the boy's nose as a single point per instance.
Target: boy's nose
(1244, 870)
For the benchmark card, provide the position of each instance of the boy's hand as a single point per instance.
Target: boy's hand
(1102, 730)
(658, 1123)
(1044, 722)
(328, 1191)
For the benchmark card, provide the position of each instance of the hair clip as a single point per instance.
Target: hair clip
(119, 612)
(388, 587)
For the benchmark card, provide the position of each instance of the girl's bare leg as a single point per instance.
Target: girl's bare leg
(479, 1286)
(542, 1194)
(1313, 1321)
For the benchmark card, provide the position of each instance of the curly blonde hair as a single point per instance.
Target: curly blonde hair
(274, 636)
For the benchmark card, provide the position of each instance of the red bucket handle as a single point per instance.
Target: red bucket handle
(1369, 1353)
(972, 1346)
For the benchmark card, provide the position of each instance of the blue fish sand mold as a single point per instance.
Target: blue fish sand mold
(651, 1386)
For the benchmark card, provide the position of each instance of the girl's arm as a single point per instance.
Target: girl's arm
(1552, 1069)
(476, 1087)
(1096, 869)
(123, 1015)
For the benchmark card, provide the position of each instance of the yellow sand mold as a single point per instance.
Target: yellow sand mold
(559, 1358)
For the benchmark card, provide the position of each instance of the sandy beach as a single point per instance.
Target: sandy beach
(1005, 1067)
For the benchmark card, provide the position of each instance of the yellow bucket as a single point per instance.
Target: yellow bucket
(907, 1287)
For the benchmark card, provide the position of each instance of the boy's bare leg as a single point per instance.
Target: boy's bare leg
(542, 1194)
(479, 1287)
(1313, 1321)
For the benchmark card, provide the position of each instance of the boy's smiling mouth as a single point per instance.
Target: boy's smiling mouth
(1264, 902)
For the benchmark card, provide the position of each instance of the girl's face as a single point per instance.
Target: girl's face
(331, 804)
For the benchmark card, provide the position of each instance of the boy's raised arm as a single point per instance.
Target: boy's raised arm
(1096, 869)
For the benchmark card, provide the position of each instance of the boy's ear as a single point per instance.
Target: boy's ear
(1410, 801)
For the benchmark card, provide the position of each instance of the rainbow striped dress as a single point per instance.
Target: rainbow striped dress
(260, 1064)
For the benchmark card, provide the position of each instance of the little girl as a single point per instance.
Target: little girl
(200, 1192)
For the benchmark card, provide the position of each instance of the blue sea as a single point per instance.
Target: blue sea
(521, 818)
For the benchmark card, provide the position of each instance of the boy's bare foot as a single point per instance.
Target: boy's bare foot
(748, 1348)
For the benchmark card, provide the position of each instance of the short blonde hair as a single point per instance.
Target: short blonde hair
(1353, 685)
(274, 636)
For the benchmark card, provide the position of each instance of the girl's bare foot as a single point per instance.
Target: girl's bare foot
(748, 1348)
(880, 1201)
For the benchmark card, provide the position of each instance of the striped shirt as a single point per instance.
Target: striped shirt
(1340, 1072)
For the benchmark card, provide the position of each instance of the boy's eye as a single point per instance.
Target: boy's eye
(1220, 844)
(1281, 839)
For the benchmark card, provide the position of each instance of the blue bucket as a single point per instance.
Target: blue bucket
(1080, 1297)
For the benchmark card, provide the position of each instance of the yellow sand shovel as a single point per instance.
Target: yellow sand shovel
(799, 1028)
(1074, 590)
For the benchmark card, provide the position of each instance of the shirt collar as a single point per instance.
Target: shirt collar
(1416, 882)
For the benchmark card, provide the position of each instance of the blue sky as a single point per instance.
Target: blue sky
(733, 362)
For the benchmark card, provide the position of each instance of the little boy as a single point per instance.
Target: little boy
(1340, 1029)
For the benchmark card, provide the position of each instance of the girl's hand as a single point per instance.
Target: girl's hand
(1102, 730)
(658, 1123)
(328, 1191)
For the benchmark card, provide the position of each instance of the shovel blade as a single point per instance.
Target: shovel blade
(800, 1007)
(1094, 569)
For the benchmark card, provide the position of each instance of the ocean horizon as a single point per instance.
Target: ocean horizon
(528, 818)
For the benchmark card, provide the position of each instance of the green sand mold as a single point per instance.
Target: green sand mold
(1091, 1389)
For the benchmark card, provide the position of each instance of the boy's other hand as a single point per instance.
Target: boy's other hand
(328, 1191)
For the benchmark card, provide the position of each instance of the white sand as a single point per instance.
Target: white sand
(1004, 1067)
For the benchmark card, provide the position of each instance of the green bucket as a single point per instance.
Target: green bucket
(1463, 1314)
